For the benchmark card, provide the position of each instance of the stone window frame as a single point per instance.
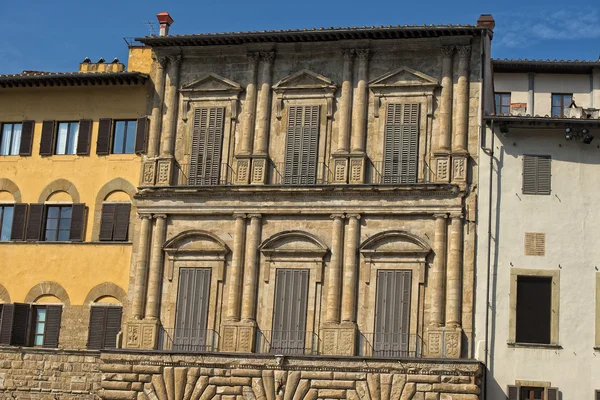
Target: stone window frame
(210, 90)
(522, 383)
(419, 90)
(555, 302)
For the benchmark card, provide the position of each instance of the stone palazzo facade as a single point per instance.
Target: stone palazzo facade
(310, 193)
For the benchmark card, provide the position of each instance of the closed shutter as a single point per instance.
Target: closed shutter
(18, 223)
(141, 135)
(207, 141)
(84, 137)
(513, 392)
(392, 314)
(107, 221)
(191, 318)
(96, 327)
(26, 138)
(113, 326)
(121, 224)
(34, 222)
(552, 393)
(302, 145)
(289, 316)
(536, 174)
(104, 131)
(401, 143)
(20, 324)
(597, 394)
(53, 314)
(77, 223)
(6, 324)
(47, 141)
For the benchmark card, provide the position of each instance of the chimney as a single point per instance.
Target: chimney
(165, 20)
(486, 21)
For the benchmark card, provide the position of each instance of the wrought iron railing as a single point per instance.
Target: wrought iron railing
(185, 177)
(287, 342)
(389, 345)
(188, 340)
(284, 174)
(376, 174)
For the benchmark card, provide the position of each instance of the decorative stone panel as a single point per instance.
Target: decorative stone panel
(141, 335)
(459, 168)
(259, 171)
(442, 166)
(238, 337)
(340, 170)
(357, 170)
(339, 339)
(242, 171)
(148, 173)
(164, 173)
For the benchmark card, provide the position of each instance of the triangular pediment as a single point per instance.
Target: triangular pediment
(305, 79)
(403, 77)
(212, 83)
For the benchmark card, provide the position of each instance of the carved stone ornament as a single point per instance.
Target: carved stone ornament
(447, 51)
(304, 84)
(211, 87)
(464, 51)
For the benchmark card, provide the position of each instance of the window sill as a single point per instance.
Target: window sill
(121, 157)
(63, 243)
(533, 345)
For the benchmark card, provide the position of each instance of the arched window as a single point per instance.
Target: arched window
(105, 323)
(114, 221)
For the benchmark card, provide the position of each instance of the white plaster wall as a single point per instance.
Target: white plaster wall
(570, 219)
(515, 84)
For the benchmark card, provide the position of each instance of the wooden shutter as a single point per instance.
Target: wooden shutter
(207, 142)
(107, 221)
(97, 327)
(597, 394)
(553, 394)
(302, 145)
(77, 223)
(121, 224)
(20, 324)
(18, 224)
(536, 174)
(113, 326)
(53, 314)
(141, 135)
(26, 138)
(513, 392)
(191, 316)
(6, 324)
(84, 137)
(104, 132)
(34, 222)
(392, 314)
(47, 140)
(289, 316)
(401, 136)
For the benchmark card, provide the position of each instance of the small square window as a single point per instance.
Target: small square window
(11, 139)
(560, 101)
(124, 137)
(66, 138)
(502, 103)
(537, 174)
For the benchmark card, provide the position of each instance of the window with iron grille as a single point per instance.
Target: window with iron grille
(401, 143)
(302, 145)
(536, 174)
(502, 103)
(560, 101)
(207, 141)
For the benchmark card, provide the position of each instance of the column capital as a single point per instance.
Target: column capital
(464, 51)
(240, 215)
(254, 216)
(161, 61)
(363, 54)
(338, 216)
(159, 216)
(447, 51)
(456, 215)
(145, 216)
(175, 60)
(267, 56)
(438, 216)
(355, 216)
(253, 56)
(348, 54)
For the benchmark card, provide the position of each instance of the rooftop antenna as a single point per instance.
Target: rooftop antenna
(151, 28)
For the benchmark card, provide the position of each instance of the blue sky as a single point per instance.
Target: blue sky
(57, 35)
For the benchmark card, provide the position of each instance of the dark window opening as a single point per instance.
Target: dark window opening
(560, 101)
(534, 309)
(502, 103)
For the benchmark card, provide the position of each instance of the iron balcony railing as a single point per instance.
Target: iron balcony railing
(287, 342)
(224, 175)
(376, 174)
(395, 345)
(285, 174)
(188, 340)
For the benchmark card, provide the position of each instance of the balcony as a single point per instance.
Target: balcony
(287, 342)
(188, 340)
(389, 345)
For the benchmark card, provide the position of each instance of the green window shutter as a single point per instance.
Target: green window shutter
(47, 140)
(84, 137)
(34, 222)
(401, 135)
(77, 223)
(193, 296)
(392, 314)
(537, 174)
(207, 141)
(26, 138)
(53, 316)
(289, 315)
(302, 144)
(18, 224)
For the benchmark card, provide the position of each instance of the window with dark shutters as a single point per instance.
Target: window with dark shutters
(52, 331)
(141, 135)
(20, 324)
(534, 309)
(114, 224)
(302, 144)
(597, 394)
(401, 143)
(103, 141)
(552, 393)
(107, 221)
(47, 140)
(34, 222)
(207, 141)
(536, 174)
(105, 324)
(26, 138)
(193, 296)
(84, 137)
(6, 324)
(77, 231)
(18, 223)
(513, 393)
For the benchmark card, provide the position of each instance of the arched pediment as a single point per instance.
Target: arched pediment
(395, 243)
(293, 243)
(196, 241)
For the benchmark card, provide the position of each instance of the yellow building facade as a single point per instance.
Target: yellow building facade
(69, 167)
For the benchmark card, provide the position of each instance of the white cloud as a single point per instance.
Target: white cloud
(517, 30)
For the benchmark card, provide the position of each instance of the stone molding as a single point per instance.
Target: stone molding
(211, 87)
(4, 296)
(115, 185)
(59, 185)
(6, 185)
(304, 84)
(105, 289)
(48, 288)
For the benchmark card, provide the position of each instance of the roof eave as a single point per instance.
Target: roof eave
(75, 79)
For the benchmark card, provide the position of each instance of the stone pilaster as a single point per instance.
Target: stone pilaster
(349, 292)
(250, 104)
(340, 157)
(263, 118)
(454, 274)
(157, 104)
(461, 124)
(141, 267)
(437, 272)
(251, 269)
(156, 268)
(442, 152)
(359, 119)
(170, 117)
(236, 273)
(334, 270)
